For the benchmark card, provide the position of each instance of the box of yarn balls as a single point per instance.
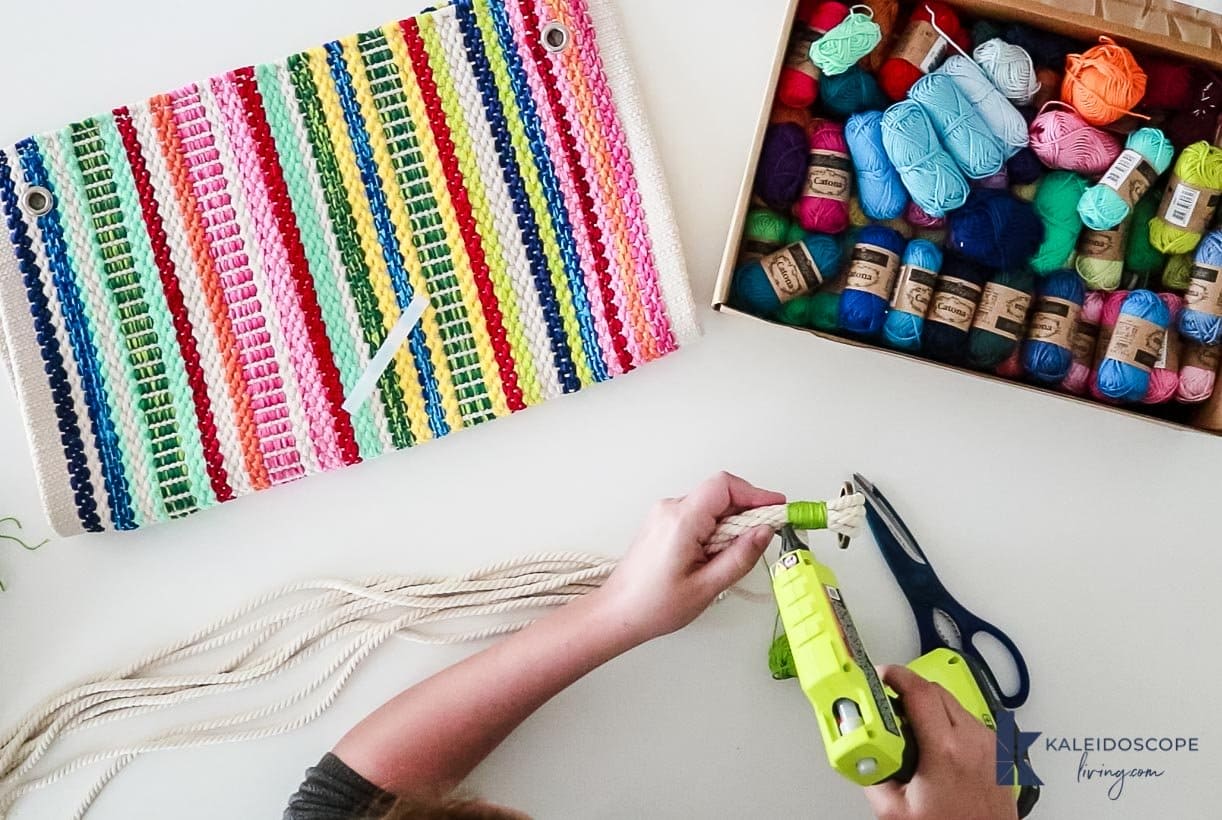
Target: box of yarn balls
(1014, 190)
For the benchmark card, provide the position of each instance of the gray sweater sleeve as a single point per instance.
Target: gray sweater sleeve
(333, 791)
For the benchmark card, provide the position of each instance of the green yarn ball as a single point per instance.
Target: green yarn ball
(986, 349)
(1056, 203)
(766, 227)
(1141, 256)
(817, 311)
(1178, 273)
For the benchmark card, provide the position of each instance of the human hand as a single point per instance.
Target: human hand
(667, 579)
(955, 776)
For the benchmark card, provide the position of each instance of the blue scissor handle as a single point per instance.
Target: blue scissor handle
(969, 626)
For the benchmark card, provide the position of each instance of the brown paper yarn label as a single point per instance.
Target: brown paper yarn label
(792, 272)
(1002, 311)
(1203, 357)
(829, 175)
(914, 290)
(1130, 176)
(1108, 246)
(954, 303)
(754, 249)
(1084, 342)
(1137, 342)
(873, 270)
(1054, 321)
(1205, 290)
(921, 45)
(1189, 207)
(798, 56)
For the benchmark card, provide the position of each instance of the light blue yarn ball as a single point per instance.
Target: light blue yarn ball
(1122, 381)
(902, 330)
(879, 187)
(1195, 325)
(967, 137)
(1101, 208)
(929, 173)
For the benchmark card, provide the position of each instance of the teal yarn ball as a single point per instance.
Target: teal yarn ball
(1056, 204)
(930, 174)
(753, 290)
(852, 92)
(906, 321)
(963, 131)
(1001, 319)
(879, 188)
(952, 309)
(839, 49)
(1120, 380)
(873, 263)
(1102, 207)
(1048, 361)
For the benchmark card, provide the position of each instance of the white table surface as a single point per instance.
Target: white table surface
(1089, 537)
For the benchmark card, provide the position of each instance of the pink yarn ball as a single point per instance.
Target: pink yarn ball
(1012, 368)
(1063, 140)
(1197, 383)
(1165, 382)
(1108, 316)
(827, 210)
(1079, 378)
(916, 216)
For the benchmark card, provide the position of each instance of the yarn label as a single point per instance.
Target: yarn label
(1002, 311)
(1137, 342)
(830, 175)
(792, 272)
(1169, 356)
(1085, 341)
(922, 46)
(954, 303)
(1205, 290)
(914, 290)
(1130, 176)
(1054, 321)
(1108, 246)
(1188, 206)
(798, 56)
(755, 249)
(1203, 357)
(873, 270)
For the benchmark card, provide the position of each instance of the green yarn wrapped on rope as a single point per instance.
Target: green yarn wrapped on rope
(780, 659)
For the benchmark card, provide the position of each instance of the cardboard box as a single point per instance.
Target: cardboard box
(1153, 26)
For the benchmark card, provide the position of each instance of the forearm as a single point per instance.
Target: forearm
(429, 738)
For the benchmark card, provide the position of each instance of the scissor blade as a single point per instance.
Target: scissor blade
(880, 508)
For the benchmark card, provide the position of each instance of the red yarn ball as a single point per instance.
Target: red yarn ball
(824, 206)
(897, 74)
(797, 88)
(1169, 85)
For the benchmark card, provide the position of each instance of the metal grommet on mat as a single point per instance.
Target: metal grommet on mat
(37, 201)
(556, 36)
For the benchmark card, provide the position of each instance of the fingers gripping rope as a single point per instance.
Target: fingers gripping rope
(333, 625)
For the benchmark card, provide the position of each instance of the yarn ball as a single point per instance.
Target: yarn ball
(995, 228)
(1003, 120)
(1062, 139)
(796, 233)
(1056, 205)
(1165, 380)
(905, 322)
(1199, 174)
(1010, 68)
(998, 182)
(1198, 322)
(1140, 256)
(1050, 87)
(963, 132)
(1119, 380)
(853, 38)
(1169, 83)
(1177, 274)
(1011, 368)
(990, 345)
(1199, 121)
(886, 14)
(782, 166)
(983, 31)
(765, 232)
(752, 290)
(1026, 193)
(882, 194)
(783, 114)
(824, 205)
(1024, 167)
(1198, 373)
(952, 309)
(798, 312)
(929, 173)
(1045, 47)
(1103, 83)
(852, 92)
(1100, 260)
(1112, 303)
(799, 83)
(919, 219)
(1048, 350)
(1085, 343)
(1102, 207)
(898, 74)
(863, 312)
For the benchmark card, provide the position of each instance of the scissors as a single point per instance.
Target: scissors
(941, 620)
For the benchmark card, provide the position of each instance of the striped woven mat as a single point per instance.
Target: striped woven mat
(216, 290)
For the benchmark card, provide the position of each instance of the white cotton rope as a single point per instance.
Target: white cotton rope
(333, 623)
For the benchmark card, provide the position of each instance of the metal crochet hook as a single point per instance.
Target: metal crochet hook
(941, 620)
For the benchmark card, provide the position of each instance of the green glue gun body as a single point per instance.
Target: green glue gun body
(867, 738)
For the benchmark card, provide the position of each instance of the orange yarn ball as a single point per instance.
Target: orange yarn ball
(1104, 82)
(784, 114)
